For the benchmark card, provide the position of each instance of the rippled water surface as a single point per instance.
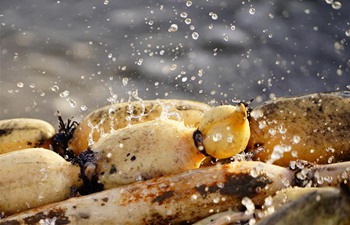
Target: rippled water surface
(75, 56)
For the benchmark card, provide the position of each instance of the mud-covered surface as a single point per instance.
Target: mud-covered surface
(237, 185)
(56, 216)
(77, 56)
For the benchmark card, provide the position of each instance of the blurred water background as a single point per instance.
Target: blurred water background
(75, 56)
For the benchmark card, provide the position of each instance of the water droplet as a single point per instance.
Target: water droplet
(183, 14)
(233, 27)
(139, 62)
(272, 132)
(83, 107)
(55, 88)
(151, 22)
(329, 1)
(230, 138)
(347, 33)
(64, 94)
(195, 35)
(331, 159)
(281, 129)
(125, 81)
(294, 154)
(72, 103)
(278, 152)
(214, 16)
(173, 28)
(110, 55)
(296, 139)
(339, 72)
(262, 124)
(188, 21)
(268, 201)
(252, 11)
(248, 203)
(188, 3)
(173, 67)
(139, 178)
(20, 84)
(336, 5)
(106, 2)
(217, 137)
(216, 200)
(194, 197)
(254, 172)
(330, 149)
(184, 79)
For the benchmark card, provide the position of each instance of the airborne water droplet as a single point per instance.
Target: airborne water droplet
(183, 14)
(336, 5)
(214, 16)
(72, 103)
(347, 33)
(252, 11)
(125, 81)
(20, 84)
(195, 35)
(139, 62)
(173, 67)
(173, 28)
(64, 94)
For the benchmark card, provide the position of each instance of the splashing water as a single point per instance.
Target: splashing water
(278, 152)
(250, 207)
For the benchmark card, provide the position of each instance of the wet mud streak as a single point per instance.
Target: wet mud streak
(237, 185)
(5, 132)
(160, 199)
(57, 215)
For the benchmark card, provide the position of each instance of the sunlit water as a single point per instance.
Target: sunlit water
(79, 55)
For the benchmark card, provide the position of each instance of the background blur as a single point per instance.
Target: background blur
(76, 56)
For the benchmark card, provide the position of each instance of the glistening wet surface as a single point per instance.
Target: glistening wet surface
(79, 55)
